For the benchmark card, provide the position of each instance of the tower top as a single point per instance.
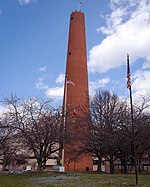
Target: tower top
(78, 11)
(78, 16)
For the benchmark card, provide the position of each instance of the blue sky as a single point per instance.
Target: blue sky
(34, 38)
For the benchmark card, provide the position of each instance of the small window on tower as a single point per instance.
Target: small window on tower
(69, 53)
(71, 18)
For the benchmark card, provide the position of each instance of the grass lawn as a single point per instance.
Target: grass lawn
(71, 180)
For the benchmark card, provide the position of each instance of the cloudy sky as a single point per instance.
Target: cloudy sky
(34, 37)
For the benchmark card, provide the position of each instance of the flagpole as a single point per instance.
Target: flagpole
(132, 119)
(79, 6)
(64, 125)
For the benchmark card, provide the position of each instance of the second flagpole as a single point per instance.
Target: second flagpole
(132, 121)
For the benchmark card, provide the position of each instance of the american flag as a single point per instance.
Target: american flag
(69, 81)
(128, 73)
(81, 3)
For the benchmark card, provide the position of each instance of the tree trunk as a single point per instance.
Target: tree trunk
(111, 162)
(44, 163)
(99, 162)
(74, 164)
(121, 159)
(39, 165)
(140, 166)
(4, 164)
(125, 168)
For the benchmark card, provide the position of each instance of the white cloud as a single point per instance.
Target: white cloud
(40, 84)
(3, 110)
(55, 92)
(25, 1)
(42, 69)
(127, 31)
(104, 81)
(140, 86)
(100, 83)
(147, 63)
(60, 79)
(121, 3)
(141, 83)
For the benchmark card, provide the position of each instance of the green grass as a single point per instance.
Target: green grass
(72, 180)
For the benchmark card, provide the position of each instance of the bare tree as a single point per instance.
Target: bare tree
(8, 146)
(103, 135)
(38, 125)
(141, 129)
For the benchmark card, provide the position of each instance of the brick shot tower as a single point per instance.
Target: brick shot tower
(76, 93)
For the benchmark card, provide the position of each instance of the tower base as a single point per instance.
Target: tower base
(82, 164)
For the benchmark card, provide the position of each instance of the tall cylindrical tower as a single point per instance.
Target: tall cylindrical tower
(76, 98)
(76, 67)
